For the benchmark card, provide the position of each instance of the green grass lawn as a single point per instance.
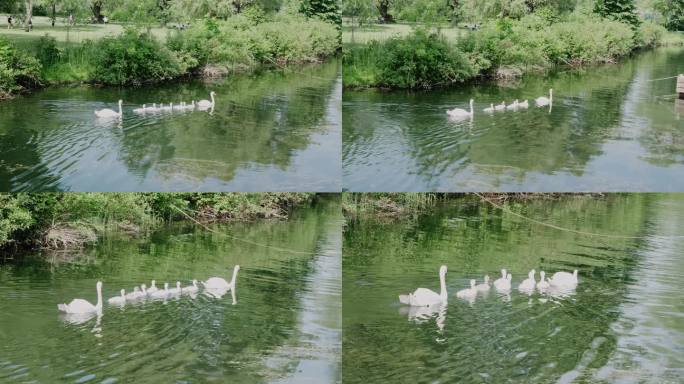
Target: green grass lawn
(63, 33)
(353, 34)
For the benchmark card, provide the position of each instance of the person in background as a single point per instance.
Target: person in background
(31, 24)
(9, 22)
(71, 19)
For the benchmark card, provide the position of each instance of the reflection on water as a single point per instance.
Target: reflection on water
(611, 129)
(270, 131)
(280, 315)
(622, 323)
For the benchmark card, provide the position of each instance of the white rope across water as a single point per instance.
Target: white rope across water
(553, 226)
(240, 239)
(664, 78)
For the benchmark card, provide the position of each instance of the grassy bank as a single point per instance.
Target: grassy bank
(128, 56)
(503, 48)
(63, 220)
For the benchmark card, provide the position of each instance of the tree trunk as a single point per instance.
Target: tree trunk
(29, 14)
(238, 6)
(97, 12)
(383, 8)
(54, 14)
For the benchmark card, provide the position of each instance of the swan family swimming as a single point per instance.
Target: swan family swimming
(214, 286)
(543, 101)
(202, 105)
(560, 283)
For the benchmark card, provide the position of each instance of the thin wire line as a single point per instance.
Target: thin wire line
(568, 229)
(240, 239)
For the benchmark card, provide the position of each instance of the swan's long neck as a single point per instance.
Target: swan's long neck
(120, 111)
(232, 279)
(442, 287)
(99, 297)
(550, 94)
(212, 99)
(471, 107)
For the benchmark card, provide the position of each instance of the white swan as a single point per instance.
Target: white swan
(175, 291)
(423, 297)
(513, 106)
(161, 293)
(502, 283)
(220, 283)
(490, 109)
(118, 300)
(528, 284)
(501, 107)
(458, 112)
(135, 294)
(108, 113)
(564, 279)
(79, 306)
(544, 101)
(141, 110)
(153, 288)
(523, 104)
(468, 293)
(484, 287)
(206, 104)
(542, 285)
(191, 288)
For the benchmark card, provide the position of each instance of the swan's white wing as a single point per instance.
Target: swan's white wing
(424, 296)
(80, 306)
(216, 282)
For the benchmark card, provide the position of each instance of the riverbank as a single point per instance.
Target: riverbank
(58, 221)
(400, 205)
(135, 56)
(500, 49)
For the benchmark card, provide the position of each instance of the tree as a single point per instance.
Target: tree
(673, 11)
(327, 10)
(361, 10)
(29, 14)
(620, 10)
(384, 10)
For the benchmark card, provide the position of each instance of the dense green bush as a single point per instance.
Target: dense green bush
(133, 58)
(18, 71)
(46, 50)
(422, 60)
(242, 43)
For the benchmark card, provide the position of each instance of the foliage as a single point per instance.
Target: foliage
(27, 217)
(18, 70)
(620, 10)
(673, 11)
(326, 10)
(46, 50)
(239, 43)
(422, 60)
(13, 216)
(133, 58)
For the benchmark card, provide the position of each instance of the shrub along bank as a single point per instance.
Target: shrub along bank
(57, 220)
(501, 48)
(240, 43)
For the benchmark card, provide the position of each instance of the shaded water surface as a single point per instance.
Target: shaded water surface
(285, 326)
(624, 322)
(270, 131)
(611, 128)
